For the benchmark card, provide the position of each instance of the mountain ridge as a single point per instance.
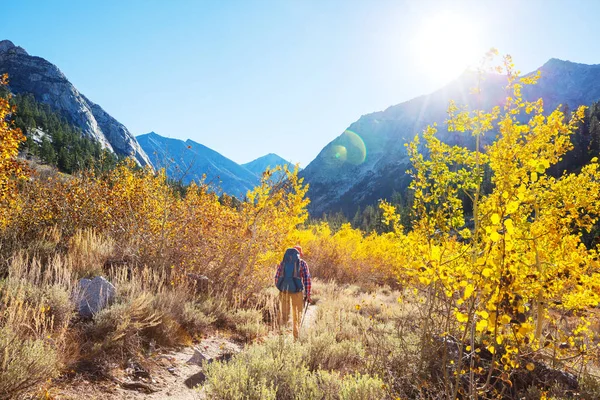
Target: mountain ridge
(271, 160)
(188, 161)
(339, 182)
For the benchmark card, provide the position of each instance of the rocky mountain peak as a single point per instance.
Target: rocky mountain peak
(556, 65)
(7, 45)
(41, 78)
(555, 62)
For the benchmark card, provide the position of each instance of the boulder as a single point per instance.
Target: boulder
(93, 295)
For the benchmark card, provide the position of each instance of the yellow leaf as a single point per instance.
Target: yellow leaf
(495, 219)
(530, 367)
(483, 314)
(487, 272)
(509, 225)
(534, 176)
(460, 317)
(481, 325)
(468, 291)
(540, 168)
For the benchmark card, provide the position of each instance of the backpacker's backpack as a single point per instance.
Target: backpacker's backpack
(290, 280)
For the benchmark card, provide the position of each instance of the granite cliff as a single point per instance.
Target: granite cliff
(35, 75)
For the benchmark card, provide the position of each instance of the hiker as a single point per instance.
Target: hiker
(293, 277)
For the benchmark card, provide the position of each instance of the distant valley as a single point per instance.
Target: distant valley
(188, 161)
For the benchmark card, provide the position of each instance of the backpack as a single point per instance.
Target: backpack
(290, 280)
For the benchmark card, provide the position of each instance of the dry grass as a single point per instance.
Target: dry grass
(89, 251)
(35, 313)
(41, 335)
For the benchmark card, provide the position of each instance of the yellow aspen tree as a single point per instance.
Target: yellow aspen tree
(10, 168)
(524, 248)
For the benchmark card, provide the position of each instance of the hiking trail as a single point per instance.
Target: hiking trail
(172, 374)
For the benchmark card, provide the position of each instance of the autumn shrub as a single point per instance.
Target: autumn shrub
(216, 308)
(351, 256)
(25, 362)
(194, 319)
(11, 169)
(182, 318)
(150, 308)
(327, 352)
(356, 387)
(489, 294)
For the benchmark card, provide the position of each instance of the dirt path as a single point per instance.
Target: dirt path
(170, 375)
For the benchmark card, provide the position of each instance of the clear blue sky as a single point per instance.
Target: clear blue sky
(248, 77)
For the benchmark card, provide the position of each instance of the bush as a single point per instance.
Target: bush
(24, 362)
(249, 324)
(118, 329)
(275, 367)
(325, 352)
(217, 308)
(194, 318)
(278, 369)
(31, 342)
(362, 387)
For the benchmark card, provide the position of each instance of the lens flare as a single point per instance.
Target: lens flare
(339, 153)
(355, 146)
(350, 148)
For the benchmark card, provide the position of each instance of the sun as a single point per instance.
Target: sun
(445, 45)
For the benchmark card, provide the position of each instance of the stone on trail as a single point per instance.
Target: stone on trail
(93, 295)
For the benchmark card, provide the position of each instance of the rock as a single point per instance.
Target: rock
(93, 295)
(7, 45)
(195, 380)
(198, 358)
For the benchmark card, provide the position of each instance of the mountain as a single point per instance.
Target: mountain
(188, 161)
(258, 166)
(35, 75)
(368, 161)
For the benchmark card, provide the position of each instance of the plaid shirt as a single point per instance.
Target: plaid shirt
(304, 274)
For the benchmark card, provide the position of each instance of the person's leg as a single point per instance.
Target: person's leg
(285, 309)
(297, 307)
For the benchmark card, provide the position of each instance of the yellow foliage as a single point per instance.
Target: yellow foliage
(10, 168)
